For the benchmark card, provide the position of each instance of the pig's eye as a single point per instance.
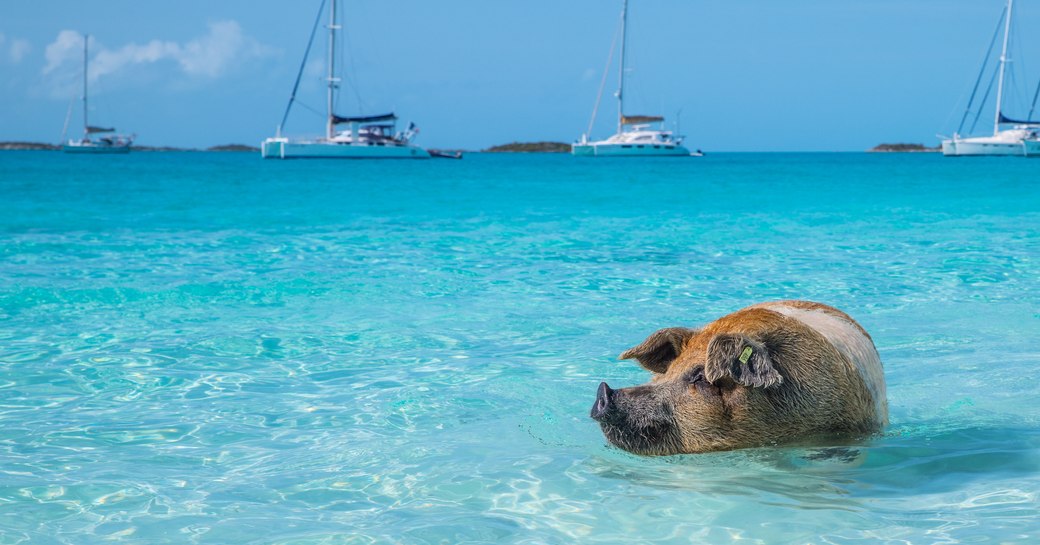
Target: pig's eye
(696, 376)
(707, 390)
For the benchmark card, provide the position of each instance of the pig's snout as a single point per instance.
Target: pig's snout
(604, 408)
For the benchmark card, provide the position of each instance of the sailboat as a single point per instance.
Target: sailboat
(365, 137)
(1021, 139)
(635, 136)
(107, 141)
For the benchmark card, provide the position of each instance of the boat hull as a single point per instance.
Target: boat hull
(969, 147)
(283, 149)
(1004, 145)
(95, 149)
(629, 150)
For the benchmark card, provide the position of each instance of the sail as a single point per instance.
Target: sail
(1003, 119)
(640, 119)
(364, 118)
(94, 130)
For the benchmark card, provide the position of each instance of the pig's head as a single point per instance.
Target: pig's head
(708, 392)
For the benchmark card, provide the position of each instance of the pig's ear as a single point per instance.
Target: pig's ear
(741, 359)
(660, 349)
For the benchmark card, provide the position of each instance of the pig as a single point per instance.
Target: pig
(773, 373)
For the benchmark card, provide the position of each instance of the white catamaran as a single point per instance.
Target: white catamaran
(108, 141)
(635, 137)
(1021, 139)
(366, 137)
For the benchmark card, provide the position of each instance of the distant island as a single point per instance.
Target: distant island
(234, 147)
(903, 148)
(159, 148)
(531, 147)
(27, 145)
(56, 147)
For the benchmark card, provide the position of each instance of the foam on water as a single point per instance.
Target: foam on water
(209, 348)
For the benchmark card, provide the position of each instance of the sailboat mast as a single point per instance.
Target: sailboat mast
(330, 127)
(86, 130)
(1003, 62)
(621, 71)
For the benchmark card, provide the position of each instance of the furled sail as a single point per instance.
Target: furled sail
(93, 130)
(640, 119)
(1003, 119)
(364, 118)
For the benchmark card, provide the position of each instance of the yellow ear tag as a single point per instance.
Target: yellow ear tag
(745, 355)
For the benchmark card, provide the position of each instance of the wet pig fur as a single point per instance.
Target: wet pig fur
(772, 373)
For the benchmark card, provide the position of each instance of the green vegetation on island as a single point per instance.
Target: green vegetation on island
(531, 147)
(159, 148)
(234, 147)
(902, 148)
(27, 146)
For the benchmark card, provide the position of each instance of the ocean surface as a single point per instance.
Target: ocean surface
(211, 348)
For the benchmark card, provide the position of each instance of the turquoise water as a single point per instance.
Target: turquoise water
(209, 348)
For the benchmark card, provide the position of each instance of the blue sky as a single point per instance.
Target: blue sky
(746, 75)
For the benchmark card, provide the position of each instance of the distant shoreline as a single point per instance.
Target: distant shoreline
(42, 146)
(513, 147)
(903, 148)
(531, 147)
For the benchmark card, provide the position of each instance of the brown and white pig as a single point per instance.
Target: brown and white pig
(772, 373)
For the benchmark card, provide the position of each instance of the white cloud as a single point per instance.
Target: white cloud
(15, 50)
(111, 61)
(211, 54)
(18, 50)
(67, 46)
(208, 56)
